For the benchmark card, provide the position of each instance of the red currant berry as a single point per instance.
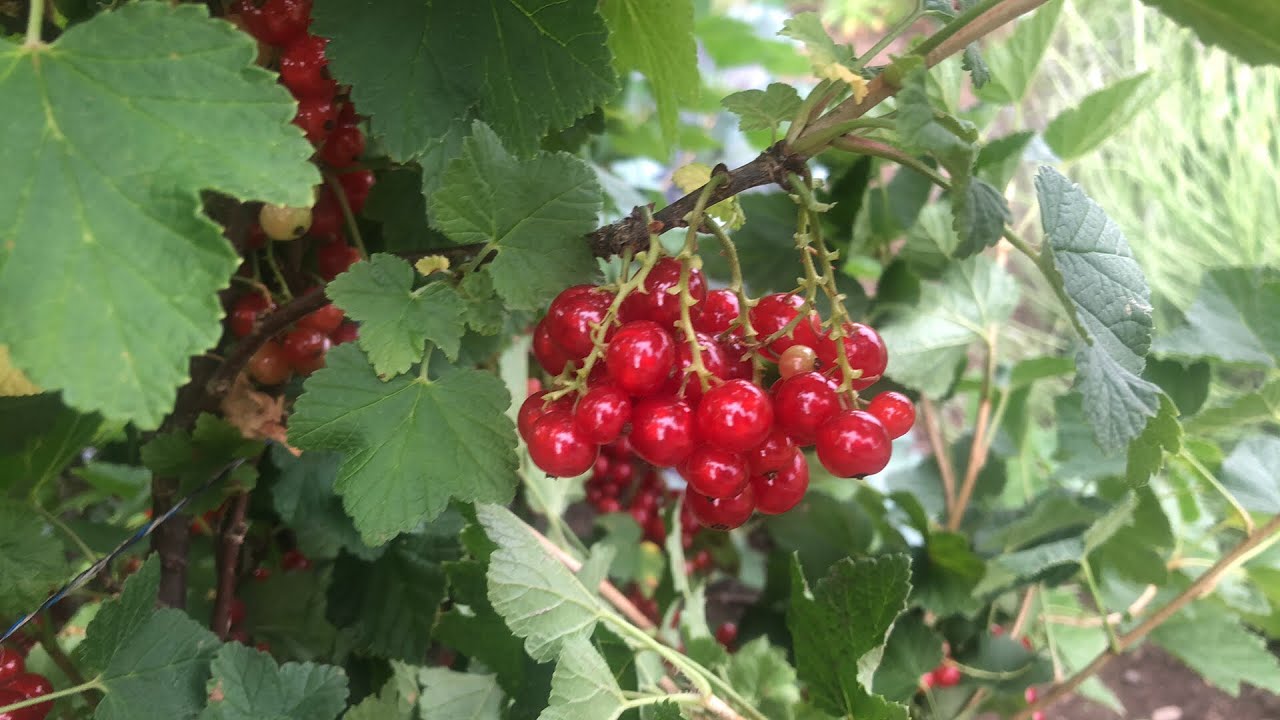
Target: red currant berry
(621, 474)
(853, 443)
(771, 314)
(550, 356)
(356, 185)
(603, 413)
(9, 697)
(926, 680)
(1037, 715)
(277, 22)
(236, 613)
(727, 634)
(294, 560)
(327, 319)
(779, 491)
(334, 258)
(247, 311)
(30, 686)
(268, 365)
(721, 513)
(640, 357)
(795, 360)
(344, 146)
(865, 351)
(661, 303)
(262, 574)
(304, 69)
(771, 455)
(895, 411)
(662, 431)
(1031, 695)
(737, 358)
(346, 332)
(556, 446)
(305, 349)
(717, 312)
(326, 216)
(736, 416)
(946, 676)
(712, 359)
(316, 118)
(574, 315)
(534, 407)
(608, 505)
(803, 403)
(11, 663)
(714, 472)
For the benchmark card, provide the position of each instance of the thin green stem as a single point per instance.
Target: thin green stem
(894, 33)
(687, 666)
(1221, 489)
(270, 256)
(677, 698)
(935, 40)
(55, 521)
(33, 23)
(744, 303)
(805, 114)
(94, 684)
(1096, 593)
(865, 146)
(341, 196)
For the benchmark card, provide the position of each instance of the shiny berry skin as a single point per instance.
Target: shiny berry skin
(662, 431)
(737, 358)
(573, 317)
(946, 676)
(712, 359)
(640, 357)
(602, 414)
(305, 349)
(327, 319)
(294, 560)
(558, 448)
(721, 513)
(316, 118)
(304, 68)
(247, 311)
(346, 332)
(550, 356)
(717, 312)
(534, 407)
(866, 352)
(11, 663)
(9, 697)
(771, 314)
(779, 491)
(727, 634)
(895, 411)
(356, 185)
(344, 146)
(283, 223)
(803, 403)
(334, 258)
(30, 685)
(326, 217)
(608, 505)
(735, 416)
(268, 365)
(714, 472)
(853, 443)
(277, 22)
(657, 303)
(771, 455)
(795, 360)
(1030, 695)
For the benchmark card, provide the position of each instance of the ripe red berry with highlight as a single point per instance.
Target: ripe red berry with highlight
(853, 443)
(865, 351)
(803, 403)
(556, 446)
(346, 332)
(573, 317)
(714, 472)
(30, 686)
(326, 216)
(727, 635)
(327, 319)
(662, 431)
(721, 513)
(316, 118)
(895, 411)
(334, 258)
(737, 358)
(344, 146)
(946, 676)
(550, 356)
(535, 406)
(735, 416)
(662, 306)
(712, 359)
(294, 560)
(717, 312)
(772, 313)
(247, 311)
(269, 365)
(9, 697)
(305, 349)
(779, 491)
(640, 357)
(11, 663)
(356, 186)
(304, 69)
(773, 454)
(603, 413)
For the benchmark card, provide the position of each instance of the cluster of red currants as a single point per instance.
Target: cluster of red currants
(737, 444)
(300, 350)
(622, 482)
(17, 685)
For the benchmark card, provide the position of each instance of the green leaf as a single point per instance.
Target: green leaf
(1024, 566)
(924, 129)
(1146, 453)
(532, 212)
(449, 695)
(288, 611)
(931, 241)
(194, 457)
(529, 68)
(1231, 319)
(655, 38)
(1079, 130)
(1218, 647)
(1014, 61)
(1014, 666)
(821, 530)
(484, 312)
(1249, 473)
(409, 445)
(763, 109)
(31, 563)
(912, 650)
(999, 159)
(981, 213)
(583, 686)
(1186, 383)
(102, 224)
(1247, 29)
(158, 671)
(249, 685)
(390, 605)
(839, 630)
(622, 535)
(398, 203)
(121, 617)
(943, 580)
(388, 704)
(1248, 409)
(395, 320)
(1112, 304)
(807, 28)
(304, 497)
(538, 597)
(39, 438)
(973, 61)
(766, 680)
(731, 42)
(969, 297)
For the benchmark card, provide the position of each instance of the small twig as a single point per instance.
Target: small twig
(941, 454)
(1245, 519)
(233, 532)
(981, 444)
(269, 327)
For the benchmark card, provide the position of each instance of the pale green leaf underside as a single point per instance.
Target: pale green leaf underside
(1232, 319)
(449, 695)
(252, 686)
(583, 686)
(111, 133)
(408, 446)
(1249, 473)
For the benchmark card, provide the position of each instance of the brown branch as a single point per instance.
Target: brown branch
(941, 453)
(233, 532)
(1202, 586)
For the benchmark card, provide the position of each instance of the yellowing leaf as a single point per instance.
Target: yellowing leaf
(13, 382)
